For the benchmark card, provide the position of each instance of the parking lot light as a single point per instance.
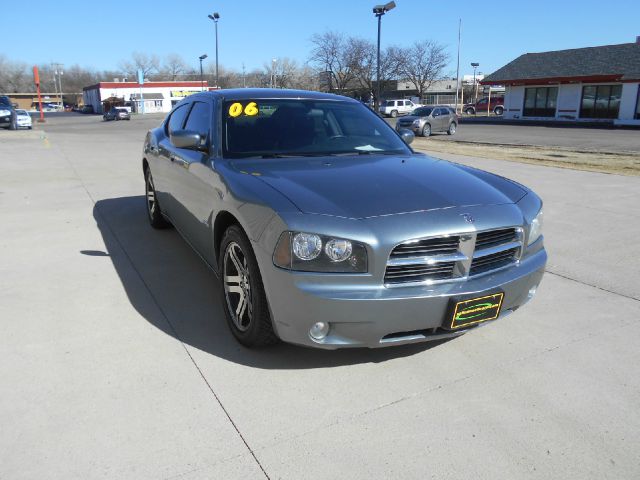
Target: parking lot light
(379, 11)
(215, 18)
(475, 86)
(201, 58)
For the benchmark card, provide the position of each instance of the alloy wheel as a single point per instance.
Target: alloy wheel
(151, 196)
(237, 286)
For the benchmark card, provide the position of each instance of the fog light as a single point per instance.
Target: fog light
(532, 292)
(319, 330)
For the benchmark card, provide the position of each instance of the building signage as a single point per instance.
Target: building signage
(183, 93)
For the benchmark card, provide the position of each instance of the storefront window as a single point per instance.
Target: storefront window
(540, 102)
(600, 101)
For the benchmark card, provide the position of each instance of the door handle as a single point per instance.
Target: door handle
(178, 161)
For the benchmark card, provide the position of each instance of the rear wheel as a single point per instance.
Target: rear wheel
(426, 130)
(153, 207)
(243, 296)
(394, 113)
(452, 128)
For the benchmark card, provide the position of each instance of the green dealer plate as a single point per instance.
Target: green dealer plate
(476, 310)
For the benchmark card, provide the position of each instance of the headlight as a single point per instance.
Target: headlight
(304, 252)
(416, 123)
(5, 112)
(535, 229)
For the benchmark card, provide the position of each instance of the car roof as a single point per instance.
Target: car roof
(275, 93)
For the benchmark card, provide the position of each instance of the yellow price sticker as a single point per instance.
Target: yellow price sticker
(236, 109)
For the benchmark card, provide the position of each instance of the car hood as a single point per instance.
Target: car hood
(409, 118)
(362, 187)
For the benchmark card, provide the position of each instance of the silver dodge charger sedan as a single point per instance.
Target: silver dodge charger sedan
(327, 230)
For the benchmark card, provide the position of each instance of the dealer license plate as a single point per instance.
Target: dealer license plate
(476, 310)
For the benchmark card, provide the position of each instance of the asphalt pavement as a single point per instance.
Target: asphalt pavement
(575, 138)
(116, 361)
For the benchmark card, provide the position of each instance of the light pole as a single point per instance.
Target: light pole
(215, 18)
(475, 86)
(201, 58)
(273, 72)
(379, 11)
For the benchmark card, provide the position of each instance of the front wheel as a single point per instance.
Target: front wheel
(394, 113)
(470, 111)
(156, 219)
(426, 130)
(452, 129)
(243, 296)
(499, 110)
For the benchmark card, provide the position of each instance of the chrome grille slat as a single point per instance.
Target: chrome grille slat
(453, 257)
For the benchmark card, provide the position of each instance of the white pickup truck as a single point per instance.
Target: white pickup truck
(393, 108)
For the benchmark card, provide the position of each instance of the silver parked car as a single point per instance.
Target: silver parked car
(116, 113)
(427, 120)
(327, 230)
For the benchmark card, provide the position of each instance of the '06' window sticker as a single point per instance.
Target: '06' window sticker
(250, 109)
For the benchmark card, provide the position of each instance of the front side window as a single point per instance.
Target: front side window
(176, 120)
(540, 102)
(199, 119)
(600, 101)
(299, 127)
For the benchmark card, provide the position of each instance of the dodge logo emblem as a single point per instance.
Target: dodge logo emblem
(467, 217)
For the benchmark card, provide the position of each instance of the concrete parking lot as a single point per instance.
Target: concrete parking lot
(116, 362)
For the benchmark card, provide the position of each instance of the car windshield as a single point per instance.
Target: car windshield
(22, 112)
(422, 112)
(298, 127)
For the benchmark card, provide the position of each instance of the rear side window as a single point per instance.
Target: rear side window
(176, 120)
(199, 119)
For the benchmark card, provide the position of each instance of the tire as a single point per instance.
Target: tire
(243, 298)
(394, 113)
(154, 213)
(498, 110)
(470, 111)
(452, 128)
(426, 130)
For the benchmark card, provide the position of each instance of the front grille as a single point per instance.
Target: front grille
(493, 261)
(493, 238)
(427, 248)
(418, 273)
(453, 257)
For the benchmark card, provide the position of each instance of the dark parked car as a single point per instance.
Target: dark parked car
(117, 113)
(496, 106)
(427, 120)
(327, 230)
(7, 113)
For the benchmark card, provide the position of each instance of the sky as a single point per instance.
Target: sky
(251, 32)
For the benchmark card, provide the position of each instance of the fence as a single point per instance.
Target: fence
(439, 100)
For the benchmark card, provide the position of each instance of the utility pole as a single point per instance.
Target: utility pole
(273, 72)
(244, 79)
(458, 67)
(215, 17)
(58, 72)
(475, 85)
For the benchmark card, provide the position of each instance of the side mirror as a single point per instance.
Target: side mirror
(187, 139)
(406, 135)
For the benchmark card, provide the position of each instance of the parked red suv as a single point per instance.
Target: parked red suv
(496, 106)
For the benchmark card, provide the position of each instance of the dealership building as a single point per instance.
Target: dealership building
(157, 96)
(594, 84)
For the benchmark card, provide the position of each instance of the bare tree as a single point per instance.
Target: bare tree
(173, 66)
(364, 54)
(149, 64)
(422, 64)
(14, 76)
(331, 53)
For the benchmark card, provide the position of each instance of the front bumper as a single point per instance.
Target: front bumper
(376, 316)
(416, 129)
